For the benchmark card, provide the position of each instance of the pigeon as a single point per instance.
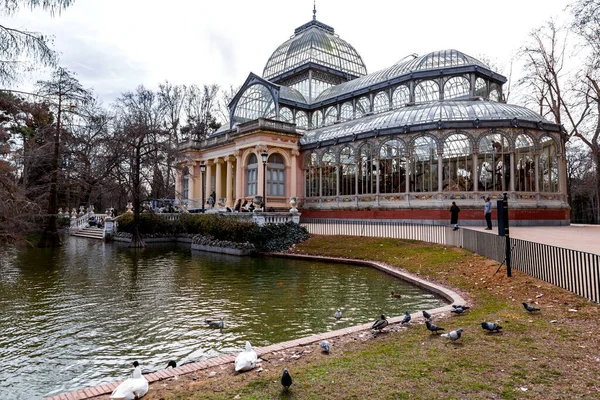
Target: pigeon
(406, 318)
(490, 326)
(454, 335)
(286, 379)
(396, 295)
(325, 346)
(426, 315)
(460, 306)
(220, 324)
(433, 328)
(530, 308)
(338, 314)
(380, 323)
(458, 310)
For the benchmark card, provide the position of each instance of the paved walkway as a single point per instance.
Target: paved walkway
(577, 237)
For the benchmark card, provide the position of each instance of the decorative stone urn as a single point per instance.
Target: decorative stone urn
(221, 202)
(293, 203)
(129, 208)
(81, 210)
(258, 202)
(74, 213)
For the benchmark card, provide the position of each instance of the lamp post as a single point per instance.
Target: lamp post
(264, 156)
(202, 171)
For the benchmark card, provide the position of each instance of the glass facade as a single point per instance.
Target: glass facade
(256, 102)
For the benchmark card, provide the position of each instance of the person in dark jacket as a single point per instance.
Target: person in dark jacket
(454, 210)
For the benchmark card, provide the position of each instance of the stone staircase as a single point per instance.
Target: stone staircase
(90, 232)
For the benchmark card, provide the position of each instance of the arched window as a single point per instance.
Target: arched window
(427, 91)
(458, 164)
(424, 165)
(255, 102)
(367, 178)
(285, 114)
(548, 166)
(328, 174)
(381, 102)
(346, 113)
(312, 176)
(363, 106)
(400, 97)
(456, 88)
(392, 167)
(480, 88)
(185, 183)
(347, 171)
(524, 164)
(331, 116)
(252, 176)
(275, 175)
(317, 119)
(493, 163)
(301, 120)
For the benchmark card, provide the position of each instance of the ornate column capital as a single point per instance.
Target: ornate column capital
(219, 161)
(259, 148)
(295, 152)
(236, 152)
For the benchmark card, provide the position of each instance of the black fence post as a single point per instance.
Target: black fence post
(506, 233)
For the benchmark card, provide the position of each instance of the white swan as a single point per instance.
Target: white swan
(133, 388)
(246, 360)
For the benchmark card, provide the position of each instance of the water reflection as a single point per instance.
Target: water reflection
(77, 316)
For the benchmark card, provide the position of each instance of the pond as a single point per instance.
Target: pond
(78, 316)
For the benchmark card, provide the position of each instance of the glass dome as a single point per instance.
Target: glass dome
(317, 43)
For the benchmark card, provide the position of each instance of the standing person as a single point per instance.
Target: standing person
(454, 210)
(487, 210)
(238, 205)
(212, 199)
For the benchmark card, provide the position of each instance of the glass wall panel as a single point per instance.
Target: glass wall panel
(255, 102)
(275, 175)
(285, 114)
(548, 166)
(495, 95)
(331, 116)
(381, 102)
(400, 97)
(367, 169)
(524, 164)
(363, 106)
(458, 164)
(329, 174)
(493, 163)
(312, 176)
(317, 119)
(427, 91)
(424, 166)
(480, 88)
(301, 120)
(392, 167)
(456, 88)
(346, 112)
(252, 176)
(347, 171)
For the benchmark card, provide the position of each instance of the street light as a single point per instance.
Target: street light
(202, 171)
(264, 156)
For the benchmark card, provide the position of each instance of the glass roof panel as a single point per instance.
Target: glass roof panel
(460, 110)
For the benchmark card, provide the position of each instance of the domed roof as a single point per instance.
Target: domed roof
(317, 43)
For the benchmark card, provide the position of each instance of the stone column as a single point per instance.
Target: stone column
(219, 178)
(239, 193)
(208, 182)
(191, 185)
(536, 158)
(408, 174)
(474, 174)
(294, 177)
(441, 173)
(229, 182)
(562, 177)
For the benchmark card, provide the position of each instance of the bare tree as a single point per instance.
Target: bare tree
(64, 93)
(19, 46)
(172, 99)
(201, 108)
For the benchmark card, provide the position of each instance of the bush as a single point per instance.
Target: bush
(278, 237)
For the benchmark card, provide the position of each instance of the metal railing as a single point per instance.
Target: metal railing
(573, 270)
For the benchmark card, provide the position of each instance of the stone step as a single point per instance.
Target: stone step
(92, 233)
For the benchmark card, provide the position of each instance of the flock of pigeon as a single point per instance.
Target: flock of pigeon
(137, 386)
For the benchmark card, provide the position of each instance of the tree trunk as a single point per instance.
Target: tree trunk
(50, 237)
(136, 239)
(596, 201)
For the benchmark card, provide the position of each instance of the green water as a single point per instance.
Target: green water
(79, 315)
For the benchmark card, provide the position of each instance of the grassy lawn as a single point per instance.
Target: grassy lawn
(552, 354)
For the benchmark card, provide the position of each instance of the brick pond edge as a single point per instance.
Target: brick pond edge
(448, 294)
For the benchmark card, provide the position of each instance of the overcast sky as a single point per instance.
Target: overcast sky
(116, 45)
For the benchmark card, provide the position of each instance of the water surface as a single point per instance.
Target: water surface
(79, 315)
